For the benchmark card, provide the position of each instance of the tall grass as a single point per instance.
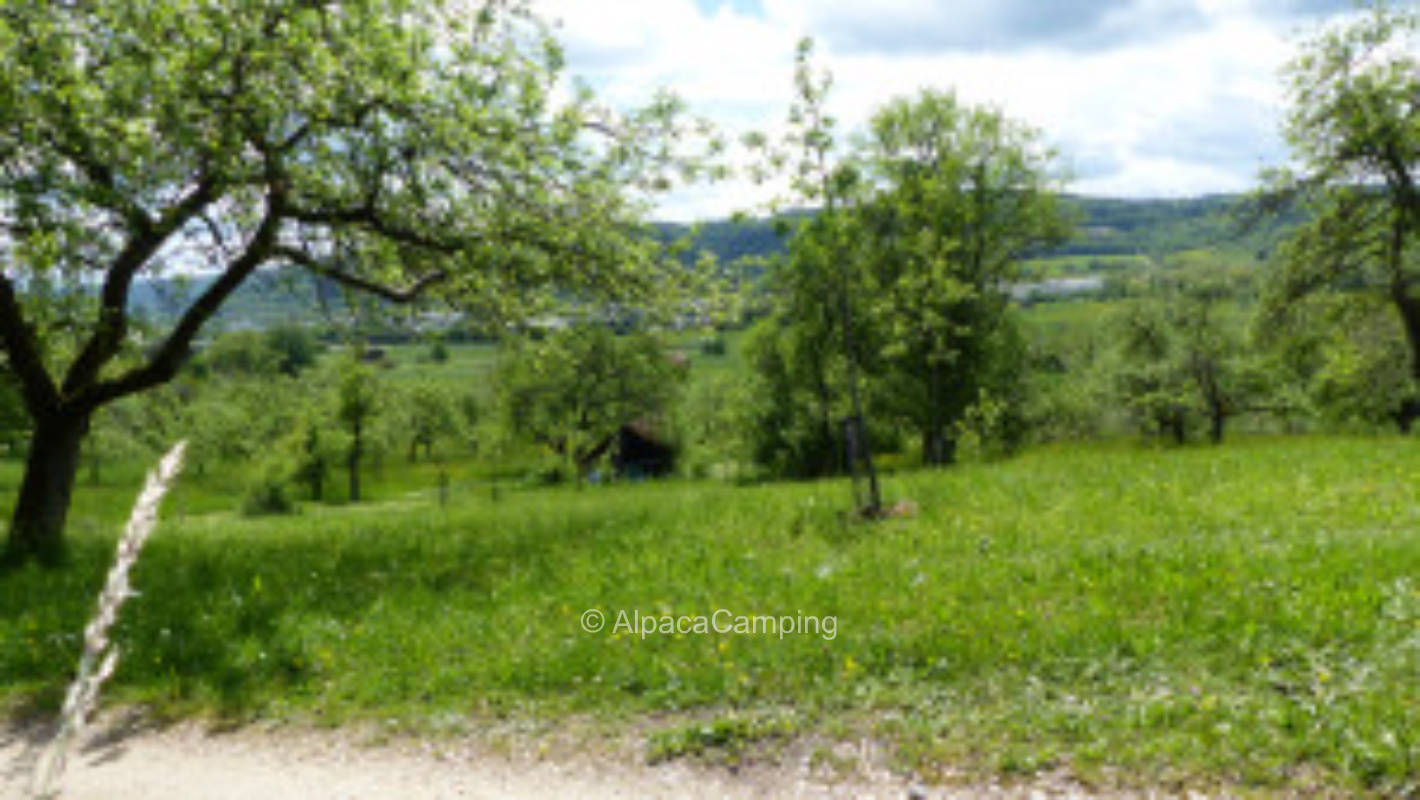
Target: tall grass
(1248, 613)
(99, 659)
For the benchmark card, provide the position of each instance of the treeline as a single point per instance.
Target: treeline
(283, 417)
(1103, 227)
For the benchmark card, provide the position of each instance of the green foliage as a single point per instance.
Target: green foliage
(422, 413)
(357, 391)
(13, 419)
(725, 740)
(572, 390)
(715, 427)
(239, 352)
(713, 346)
(1180, 359)
(285, 349)
(314, 448)
(357, 402)
(1353, 132)
(794, 404)
(296, 348)
(268, 491)
(967, 191)
(903, 279)
(1364, 373)
(400, 150)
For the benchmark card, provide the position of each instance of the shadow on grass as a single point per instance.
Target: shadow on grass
(227, 620)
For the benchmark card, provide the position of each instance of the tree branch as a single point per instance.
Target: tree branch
(26, 359)
(112, 325)
(164, 363)
(367, 216)
(304, 260)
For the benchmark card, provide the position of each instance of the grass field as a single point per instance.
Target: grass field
(1245, 616)
(1074, 266)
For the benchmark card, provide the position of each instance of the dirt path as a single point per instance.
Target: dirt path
(123, 758)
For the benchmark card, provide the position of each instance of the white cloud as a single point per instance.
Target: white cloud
(1144, 97)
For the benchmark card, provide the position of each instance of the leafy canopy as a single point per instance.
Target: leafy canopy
(1353, 126)
(399, 147)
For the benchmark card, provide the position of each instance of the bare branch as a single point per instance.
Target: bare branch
(144, 242)
(367, 216)
(164, 363)
(408, 294)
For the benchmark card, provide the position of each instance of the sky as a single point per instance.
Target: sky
(1142, 98)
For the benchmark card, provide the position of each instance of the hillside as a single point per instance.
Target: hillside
(1104, 227)
(1111, 234)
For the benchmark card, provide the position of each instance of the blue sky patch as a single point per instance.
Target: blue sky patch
(751, 8)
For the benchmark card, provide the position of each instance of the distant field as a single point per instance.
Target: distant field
(1246, 615)
(1072, 266)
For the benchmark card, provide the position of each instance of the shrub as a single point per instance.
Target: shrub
(713, 346)
(269, 492)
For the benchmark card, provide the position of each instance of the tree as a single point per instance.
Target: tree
(1364, 373)
(358, 393)
(1149, 378)
(574, 390)
(313, 454)
(239, 353)
(1354, 131)
(1181, 357)
(818, 284)
(797, 367)
(422, 412)
(396, 147)
(296, 348)
(964, 193)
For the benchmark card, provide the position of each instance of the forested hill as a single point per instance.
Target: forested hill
(1104, 226)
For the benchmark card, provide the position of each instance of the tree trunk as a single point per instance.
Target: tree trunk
(37, 525)
(354, 464)
(938, 449)
(1406, 415)
(95, 462)
(1216, 422)
(1176, 426)
(1405, 304)
(934, 436)
(1409, 310)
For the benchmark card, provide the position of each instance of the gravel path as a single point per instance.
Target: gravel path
(125, 759)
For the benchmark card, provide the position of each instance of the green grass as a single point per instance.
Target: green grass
(467, 364)
(1243, 616)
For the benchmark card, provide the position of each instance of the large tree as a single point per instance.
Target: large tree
(398, 147)
(1354, 131)
(964, 193)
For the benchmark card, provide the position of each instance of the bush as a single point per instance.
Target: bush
(713, 346)
(269, 493)
(439, 353)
